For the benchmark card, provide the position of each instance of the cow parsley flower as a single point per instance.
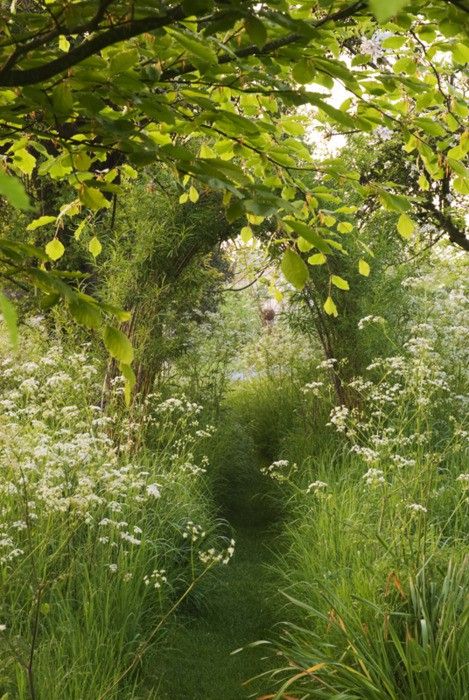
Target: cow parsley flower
(417, 508)
(156, 578)
(153, 490)
(316, 487)
(374, 477)
(464, 480)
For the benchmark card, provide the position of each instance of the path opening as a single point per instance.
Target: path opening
(199, 664)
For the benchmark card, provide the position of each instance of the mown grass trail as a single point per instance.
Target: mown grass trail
(198, 660)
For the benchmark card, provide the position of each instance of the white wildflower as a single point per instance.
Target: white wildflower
(316, 487)
(417, 508)
(374, 477)
(153, 490)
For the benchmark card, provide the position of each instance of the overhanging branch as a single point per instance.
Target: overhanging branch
(133, 28)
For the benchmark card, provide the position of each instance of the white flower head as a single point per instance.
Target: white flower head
(153, 490)
(417, 508)
(316, 487)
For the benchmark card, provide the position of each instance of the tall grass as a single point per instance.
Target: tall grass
(101, 536)
(375, 567)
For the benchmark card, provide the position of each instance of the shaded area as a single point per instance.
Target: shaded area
(241, 609)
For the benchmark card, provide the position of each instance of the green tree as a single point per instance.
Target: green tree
(92, 90)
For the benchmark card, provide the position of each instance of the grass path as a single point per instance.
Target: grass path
(240, 610)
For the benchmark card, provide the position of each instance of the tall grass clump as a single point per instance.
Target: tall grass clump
(106, 523)
(375, 569)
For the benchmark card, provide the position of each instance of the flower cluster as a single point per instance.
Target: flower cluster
(374, 477)
(156, 579)
(193, 532)
(213, 556)
(312, 388)
(370, 319)
(317, 487)
(279, 470)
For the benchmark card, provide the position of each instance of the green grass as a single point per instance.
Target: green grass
(198, 662)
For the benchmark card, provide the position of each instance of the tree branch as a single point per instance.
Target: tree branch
(455, 234)
(274, 45)
(19, 78)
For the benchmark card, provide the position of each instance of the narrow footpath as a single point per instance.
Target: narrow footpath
(199, 663)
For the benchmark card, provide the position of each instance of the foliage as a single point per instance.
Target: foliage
(375, 567)
(101, 537)
(164, 263)
(91, 91)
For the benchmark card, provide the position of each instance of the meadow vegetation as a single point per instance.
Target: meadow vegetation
(234, 350)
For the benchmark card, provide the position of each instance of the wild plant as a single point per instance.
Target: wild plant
(94, 548)
(377, 572)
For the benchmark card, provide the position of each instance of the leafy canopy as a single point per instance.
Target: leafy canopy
(91, 91)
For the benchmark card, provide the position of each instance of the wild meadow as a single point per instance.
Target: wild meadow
(234, 350)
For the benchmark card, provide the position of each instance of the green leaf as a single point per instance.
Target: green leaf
(199, 49)
(339, 282)
(24, 161)
(130, 380)
(430, 126)
(79, 229)
(330, 308)
(384, 9)
(405, 226)
(336, 115)
(246, 234)
(394, 42)
(10, 318)
(461, 185)
(55, 249)
(85, 313)
(118, 345)
(394, 202)
(64, 44)
(363, 268)
(345, 227)
(13, 190)
(318, 259)
(423, 183)
(62, 99)
(294, 268)
(193, 194)
(303, 245)
(461, 53)
(122, 61)
(256, 30)
(309, 234)
(303, 71)
(41, 221)
(93, 198)
(95, 247)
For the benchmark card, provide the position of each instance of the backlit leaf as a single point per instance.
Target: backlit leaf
(55, 249)
(41, 221)
(384, 9)
(330, 308)
(256, 30)
(405, 226)
(318, 259)
(118, 345)
(13, 190)
(363, 268)
(294, 268)
(339, 282)
(95, 247)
